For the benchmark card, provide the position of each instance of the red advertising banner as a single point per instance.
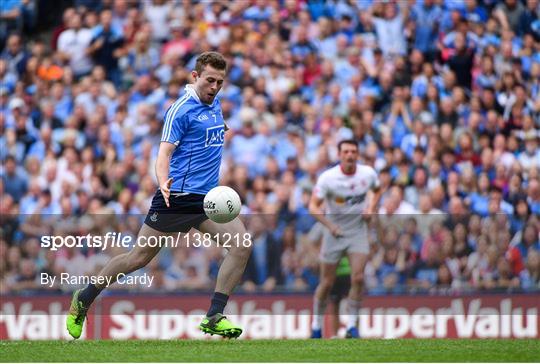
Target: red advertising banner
(274, 316)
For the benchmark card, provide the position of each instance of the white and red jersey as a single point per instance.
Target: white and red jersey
(345, 195)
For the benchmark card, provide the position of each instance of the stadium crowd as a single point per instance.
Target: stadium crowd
(443, 98)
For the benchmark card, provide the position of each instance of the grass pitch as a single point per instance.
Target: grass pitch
(371, 350)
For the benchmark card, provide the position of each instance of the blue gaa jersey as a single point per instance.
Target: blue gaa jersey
(197, 130)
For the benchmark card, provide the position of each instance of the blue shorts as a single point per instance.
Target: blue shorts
(185, 212)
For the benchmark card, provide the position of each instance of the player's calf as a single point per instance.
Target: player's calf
(357, 280)
(125, 263)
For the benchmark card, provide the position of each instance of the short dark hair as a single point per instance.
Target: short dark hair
(347, 141)
(214, 59)
(10, 158)
(495, 189)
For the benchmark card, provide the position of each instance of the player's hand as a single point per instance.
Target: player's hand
(336, 231)
(367, 215)
(166, 190)
(99, 43)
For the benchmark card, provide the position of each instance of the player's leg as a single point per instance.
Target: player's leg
(136, 258)
(357, 262)
(229, 274)
(339, 292)
(235, 260)
(332, 250)
(334, 299)
(131, 261)
(320, 299)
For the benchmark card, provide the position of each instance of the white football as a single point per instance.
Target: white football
(222, 204)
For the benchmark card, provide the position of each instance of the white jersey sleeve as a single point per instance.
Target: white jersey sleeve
(321, 189)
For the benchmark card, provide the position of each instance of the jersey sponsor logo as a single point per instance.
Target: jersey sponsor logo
(350, 200)
(214, 136)
(339, 200)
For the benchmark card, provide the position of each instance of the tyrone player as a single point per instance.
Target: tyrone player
(348, 190)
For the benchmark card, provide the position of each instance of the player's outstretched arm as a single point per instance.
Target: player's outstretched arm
(162, 169)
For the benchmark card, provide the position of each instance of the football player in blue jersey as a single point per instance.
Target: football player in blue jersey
(187, 167)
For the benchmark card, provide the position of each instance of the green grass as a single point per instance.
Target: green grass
(402, 350)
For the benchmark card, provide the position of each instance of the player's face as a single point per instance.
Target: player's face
(348, 154)
(208, 83)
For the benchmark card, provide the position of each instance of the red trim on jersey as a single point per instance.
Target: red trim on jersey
(345, 173)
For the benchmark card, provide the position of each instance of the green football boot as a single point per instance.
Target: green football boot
(76, 316)
(219, 325)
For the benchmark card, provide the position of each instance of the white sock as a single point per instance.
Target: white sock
(353, 307)
(319, 307)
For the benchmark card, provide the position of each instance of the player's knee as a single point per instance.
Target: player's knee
(357, 279)
(244, 245)
(327, 282)
(242, 251)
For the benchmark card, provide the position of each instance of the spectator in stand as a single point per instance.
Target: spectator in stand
(389, 26)
(15, 55)
(106, 46)
(264, 267)
(530, 240)
(14, 181)
(73, 46)
(530, 276)
(425, 273)
(390, 271)
(158, 12)
(509, 13)
(142, 57)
